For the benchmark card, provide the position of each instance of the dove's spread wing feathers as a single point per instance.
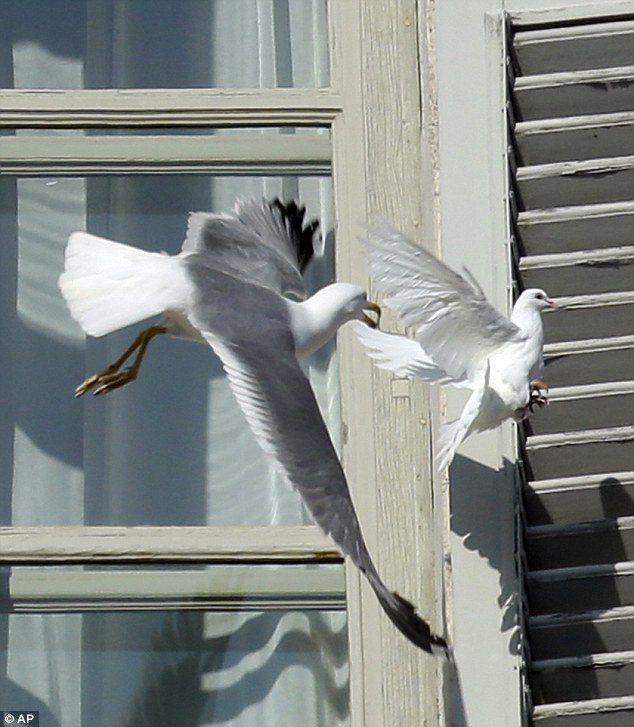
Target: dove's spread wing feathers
(454, 323)
(403, 357)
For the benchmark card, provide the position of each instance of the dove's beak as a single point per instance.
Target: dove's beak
(551, 303)
(374, 308)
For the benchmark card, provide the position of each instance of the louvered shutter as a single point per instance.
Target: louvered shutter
(571, 120)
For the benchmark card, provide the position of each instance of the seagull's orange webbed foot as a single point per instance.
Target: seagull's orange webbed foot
(113, 377)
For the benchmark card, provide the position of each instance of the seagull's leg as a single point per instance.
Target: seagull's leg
(112, 378)
(538, 394)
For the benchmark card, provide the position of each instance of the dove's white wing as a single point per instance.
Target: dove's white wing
(455, 325)
(403, 356)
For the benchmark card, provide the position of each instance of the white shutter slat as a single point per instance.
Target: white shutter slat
(561, 545)
(576, 47)
(581, 413)
(614, 318)
(581, 227)
(589, 457)
(578, 589)
(608, 270)
(572, 678)
(587, 182)
(575, 93)
(574, 499)
(575, 366)
(577, 137)
(610, 712)
(559, 636)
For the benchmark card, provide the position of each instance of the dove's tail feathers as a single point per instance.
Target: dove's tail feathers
(401, 355)
(450, 438)
(455, 432)
(108, 285)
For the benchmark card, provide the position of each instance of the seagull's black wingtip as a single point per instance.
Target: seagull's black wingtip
(403, 615)
(302, 234)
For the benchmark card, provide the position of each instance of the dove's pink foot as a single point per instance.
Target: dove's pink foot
(538, 395)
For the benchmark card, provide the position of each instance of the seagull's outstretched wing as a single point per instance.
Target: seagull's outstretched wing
(454, 323)
(263, 242)
(247, 326)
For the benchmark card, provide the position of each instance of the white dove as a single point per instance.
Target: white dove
(459, 338)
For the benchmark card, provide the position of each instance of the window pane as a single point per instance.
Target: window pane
(172, 448)
(232, 668)
(77, 44)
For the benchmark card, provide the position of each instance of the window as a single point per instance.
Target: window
(120, 117)
(211, 645)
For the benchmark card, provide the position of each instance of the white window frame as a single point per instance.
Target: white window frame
(373, 109)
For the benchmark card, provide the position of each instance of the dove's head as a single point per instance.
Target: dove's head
(536, 299)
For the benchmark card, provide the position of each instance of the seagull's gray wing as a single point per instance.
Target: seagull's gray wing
(247, 326)
(281, 226)
(454, 323)
(266, 243)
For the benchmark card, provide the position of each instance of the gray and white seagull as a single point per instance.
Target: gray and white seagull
(237, 285)
(460, 339)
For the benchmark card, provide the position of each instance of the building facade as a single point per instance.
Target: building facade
(148, 550)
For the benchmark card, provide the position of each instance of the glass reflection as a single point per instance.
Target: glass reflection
(170, 449)
(236, 669)
(74, 44)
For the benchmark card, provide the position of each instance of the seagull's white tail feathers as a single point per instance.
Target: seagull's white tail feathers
(401, 355)
(108, 285)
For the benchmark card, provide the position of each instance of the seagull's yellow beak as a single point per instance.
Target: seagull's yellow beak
(375, 308)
